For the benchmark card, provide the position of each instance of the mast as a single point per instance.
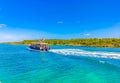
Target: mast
(42, 39)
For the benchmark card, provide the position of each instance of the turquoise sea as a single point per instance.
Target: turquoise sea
(62, 64)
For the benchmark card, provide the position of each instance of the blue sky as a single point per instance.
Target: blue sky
(61, 19)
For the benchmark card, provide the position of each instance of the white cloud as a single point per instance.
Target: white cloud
(108, 32)
(87, 34)
(8, 37)
(60, 22)
(18, 35)
(2, 25)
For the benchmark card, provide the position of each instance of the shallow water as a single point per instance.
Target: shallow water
(63, 64)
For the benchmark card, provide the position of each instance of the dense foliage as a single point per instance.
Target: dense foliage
(103, 42)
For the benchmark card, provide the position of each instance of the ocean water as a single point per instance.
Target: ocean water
(62, 64)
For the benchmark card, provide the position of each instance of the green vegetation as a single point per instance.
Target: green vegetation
(97, 42)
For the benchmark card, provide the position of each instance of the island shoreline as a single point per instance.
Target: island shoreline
(89, 42)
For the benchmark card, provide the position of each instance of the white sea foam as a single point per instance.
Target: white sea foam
(78, 52)
(102, 61)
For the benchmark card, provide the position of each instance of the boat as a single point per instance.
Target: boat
(39, 46)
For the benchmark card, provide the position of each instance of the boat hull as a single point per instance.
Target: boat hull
(32, 49)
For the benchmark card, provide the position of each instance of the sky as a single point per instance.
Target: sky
(59, 19)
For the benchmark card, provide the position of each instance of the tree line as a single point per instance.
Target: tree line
(97, 42)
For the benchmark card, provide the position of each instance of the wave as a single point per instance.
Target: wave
(79, 52)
